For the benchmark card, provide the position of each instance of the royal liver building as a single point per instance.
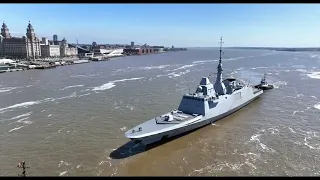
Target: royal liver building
(27, 47)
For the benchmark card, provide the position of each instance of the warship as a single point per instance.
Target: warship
(209, 103)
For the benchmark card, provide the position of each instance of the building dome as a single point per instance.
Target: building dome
(4, 25)
(30, 26)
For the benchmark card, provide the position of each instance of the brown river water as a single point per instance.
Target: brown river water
(70, 121)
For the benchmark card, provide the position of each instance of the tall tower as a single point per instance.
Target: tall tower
(55, 38)
(63, 47)
(30, 32)
(32, 41)
(5, 31)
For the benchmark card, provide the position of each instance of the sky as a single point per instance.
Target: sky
(181, 25)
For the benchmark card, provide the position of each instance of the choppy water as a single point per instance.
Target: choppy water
(71, 120)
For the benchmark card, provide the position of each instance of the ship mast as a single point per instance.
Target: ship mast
(219, 86)
(220, 64)
(219, 73)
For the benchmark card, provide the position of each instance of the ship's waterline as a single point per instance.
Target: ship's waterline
(73, 123)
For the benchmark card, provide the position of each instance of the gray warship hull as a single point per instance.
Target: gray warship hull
(205, 120)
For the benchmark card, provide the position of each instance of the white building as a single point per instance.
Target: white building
(108, 52)
(67, 50)
(57, 49)
(50, 51)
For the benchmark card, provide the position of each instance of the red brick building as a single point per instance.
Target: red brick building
(138, 51)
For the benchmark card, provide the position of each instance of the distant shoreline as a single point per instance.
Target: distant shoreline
(278, 49)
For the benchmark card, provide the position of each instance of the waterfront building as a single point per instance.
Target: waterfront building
(59, 48)
(139, 51)
(50, 50)
(67, 49)
(26, 47)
